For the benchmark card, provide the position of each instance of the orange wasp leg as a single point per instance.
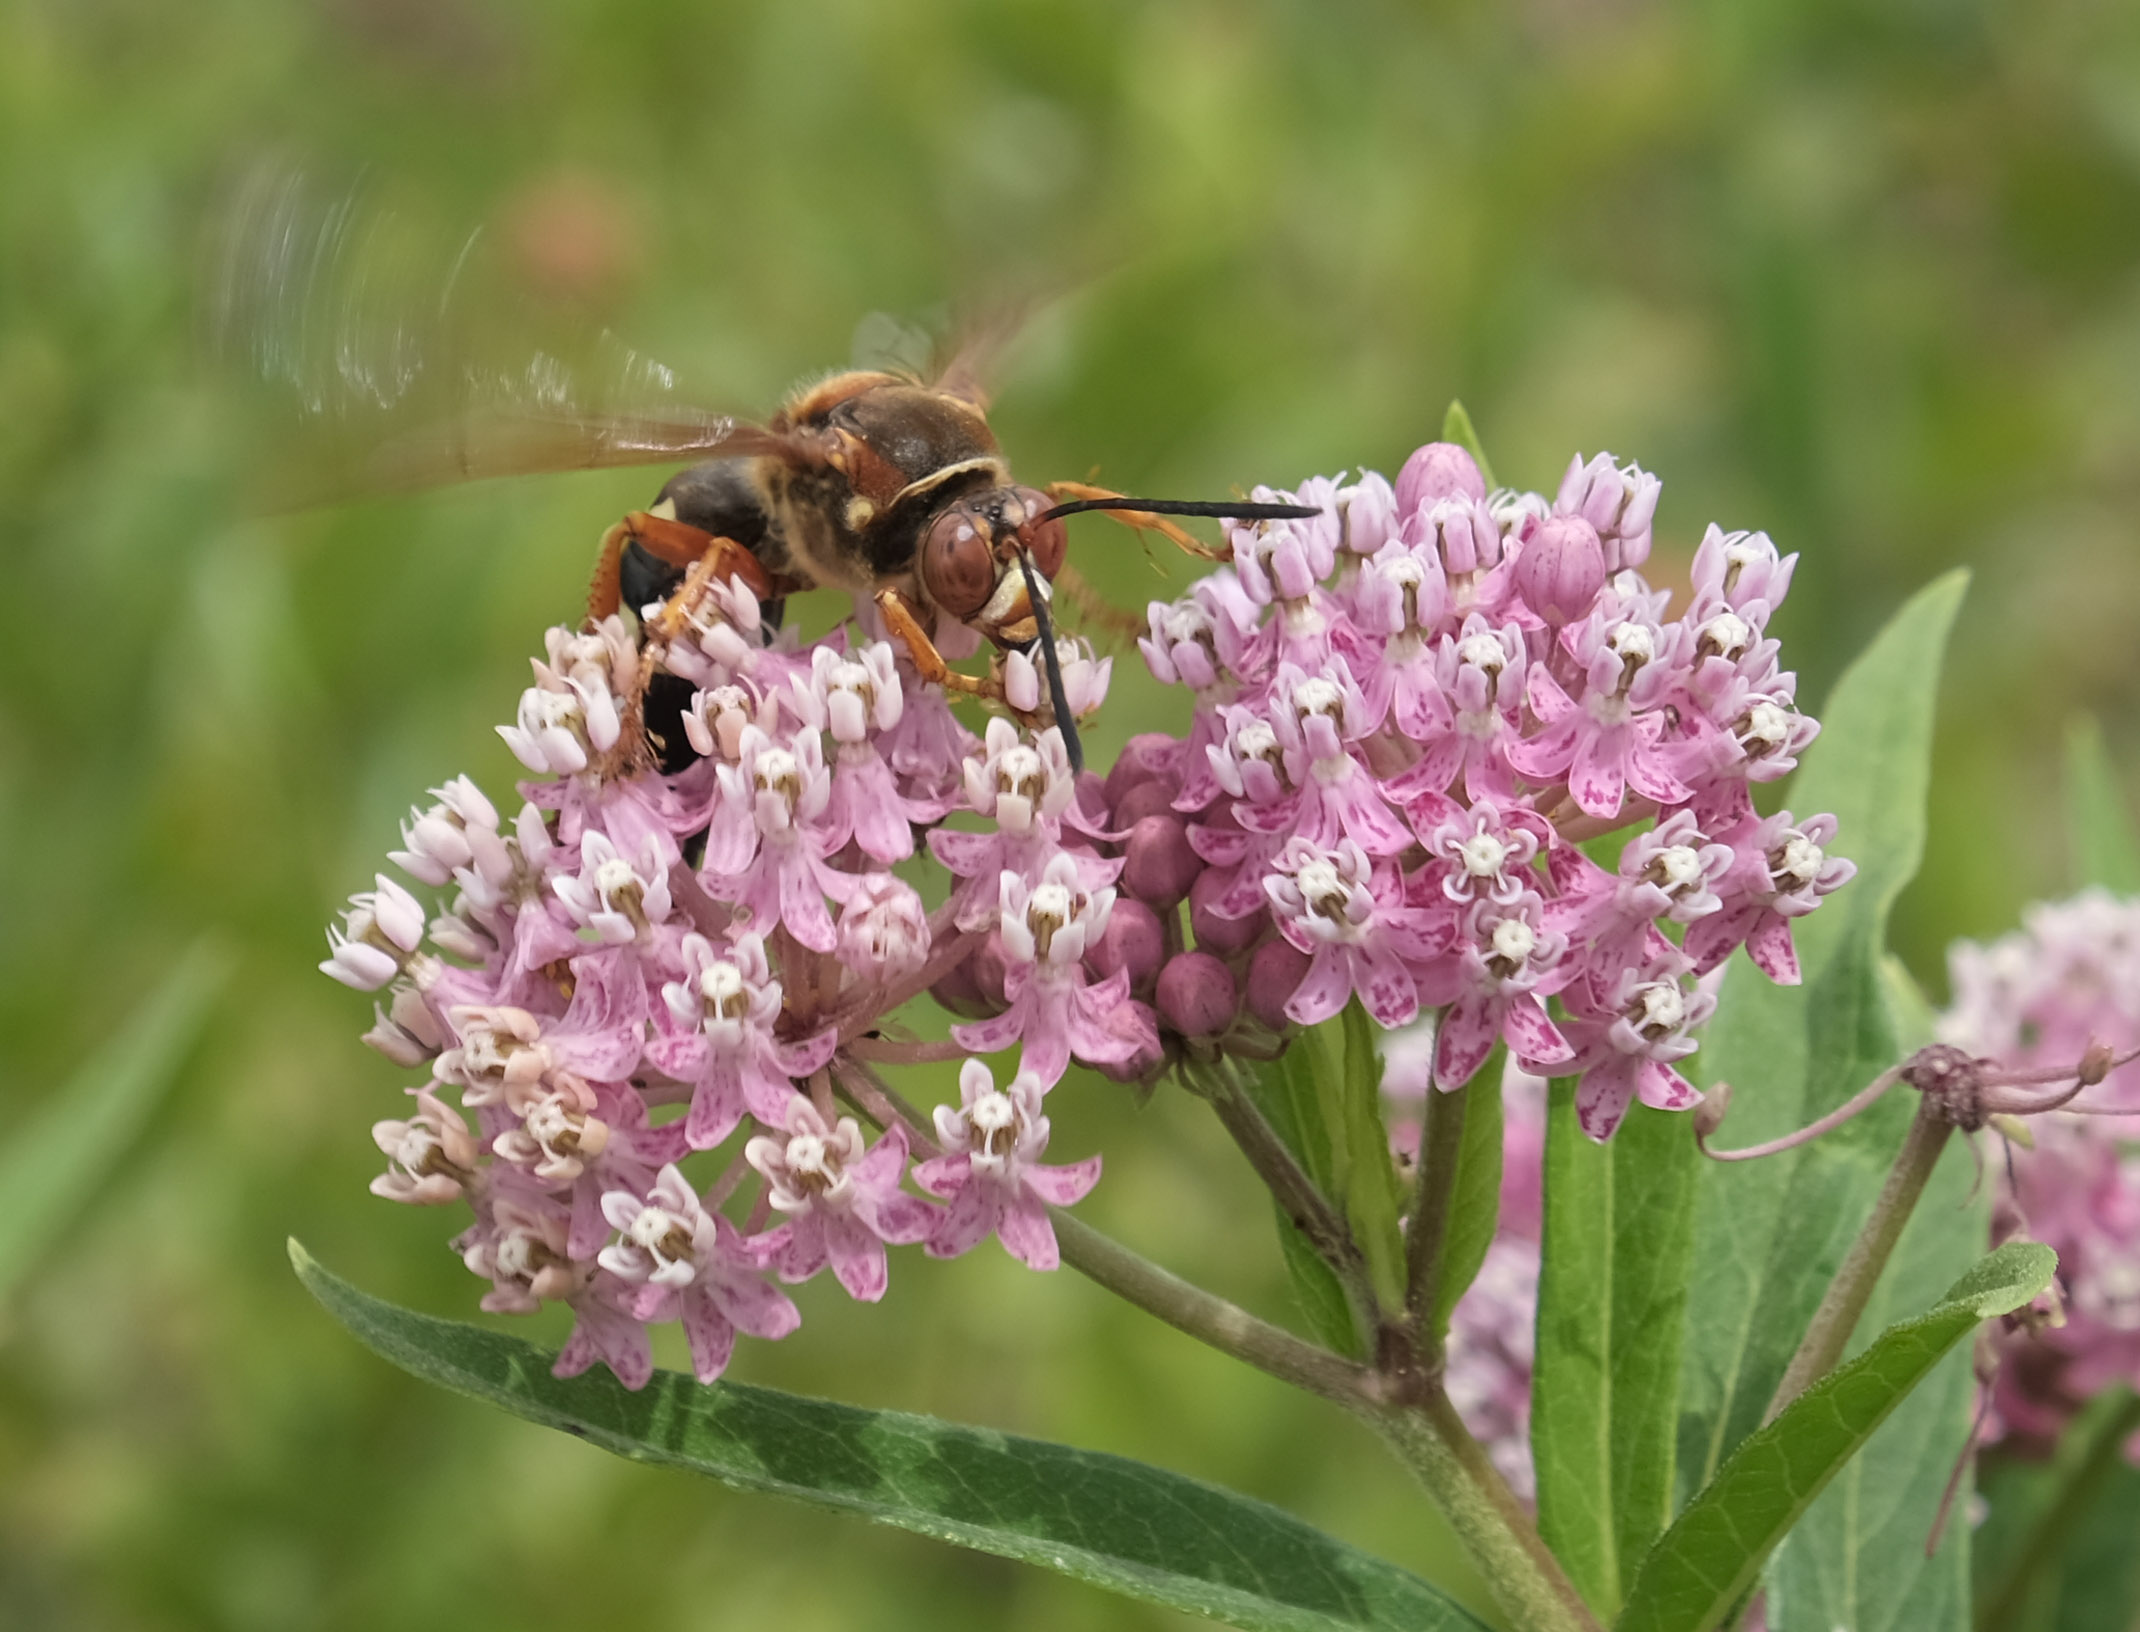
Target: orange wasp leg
(928, 661)
(703, 555)
(1142, 521)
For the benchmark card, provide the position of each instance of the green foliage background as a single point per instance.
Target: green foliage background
(1861, 274)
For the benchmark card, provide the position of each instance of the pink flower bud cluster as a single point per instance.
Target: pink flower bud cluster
(1407, 710)
(2038, 998)
(640, 971)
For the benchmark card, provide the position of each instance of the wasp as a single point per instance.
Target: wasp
(887, 487)
(890, 485)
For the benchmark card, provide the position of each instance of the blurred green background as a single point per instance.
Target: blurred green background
(1863, 275)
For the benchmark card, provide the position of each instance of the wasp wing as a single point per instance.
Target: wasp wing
(394, 357)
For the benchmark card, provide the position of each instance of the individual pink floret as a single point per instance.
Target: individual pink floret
(991, 1174)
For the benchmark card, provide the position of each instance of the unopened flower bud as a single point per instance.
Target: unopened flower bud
(1196, 995)
(1132, 940)
(975, 987)
(1150, 756)
(1152, 797)
(1274, 975)
(1440, 470)
(1224, 936)
(884, 929)
(1710, 1113)
(1159, 866)
(1561, 569)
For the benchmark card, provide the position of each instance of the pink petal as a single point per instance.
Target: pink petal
(712, 1338)
(1027, 1235)
(1602, 1097)
(1536, 1040)
(1063, 1186)
(752, 1305)
(897, 1218)
(1469, 1032)
(1664, 1088)
(1323, 990)
(682, 1055)
(966, 1222)
(1387, 990)
(944, 1176)
(716, 1106)
(1771, 949)
(965, 854)
(802, 906)
(857, 1259)
(990, 1036)
(1595, 782)
(809, 1056)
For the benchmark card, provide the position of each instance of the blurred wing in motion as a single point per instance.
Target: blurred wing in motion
(405, 359)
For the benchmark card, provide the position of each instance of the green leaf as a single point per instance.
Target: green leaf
(1133, 1529)
(1619, 1223)
(1708, 1561)
(1322, 1299)
(1367, 1182)
(50, 1170)
(2056, 1548)
(1475, 1198)
(1772, 1232)
(1857, 1558)
(1457, 428)
(1288, 1092)
(2099, 822)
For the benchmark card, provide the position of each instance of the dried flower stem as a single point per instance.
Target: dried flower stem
(1527, 1581)
(1828, 1334)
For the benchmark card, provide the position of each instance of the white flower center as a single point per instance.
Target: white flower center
(1513, 941)
(1725, 635)
(613, 877)
(1659, 1009)
(1021, 772)
(779, 772)
(1482, 855)
(722, 990)
(1318, 696)
(1767, 726)
(1796, 863)
(1676, 868)
(1482, 652)
(1256, 740)
(658, 1230)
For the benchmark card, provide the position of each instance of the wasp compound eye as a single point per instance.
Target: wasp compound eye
(958, 564)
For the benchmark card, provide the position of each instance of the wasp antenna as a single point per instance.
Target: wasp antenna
(1052, 661)
(1223, 509)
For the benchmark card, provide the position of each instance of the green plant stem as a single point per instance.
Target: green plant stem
(1209, 1318)
(1527, 1581)
(1441, 1144)
(1296, 1192)
(2048, 1535)
(1828, 1334)
(1186, 1307)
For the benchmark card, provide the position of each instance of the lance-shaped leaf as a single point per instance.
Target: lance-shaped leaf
(1772, 1232)
(1475, 1197)
(1619, 1232)
(1710, 1558)
(55, 1163)
(1119, 1524)
(2099, 822)
(1858, 1558)
(1457, 428)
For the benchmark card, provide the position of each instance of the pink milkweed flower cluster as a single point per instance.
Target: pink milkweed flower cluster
(2040, 997)
(647, 998)
(1409, 709)
(644, 969)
